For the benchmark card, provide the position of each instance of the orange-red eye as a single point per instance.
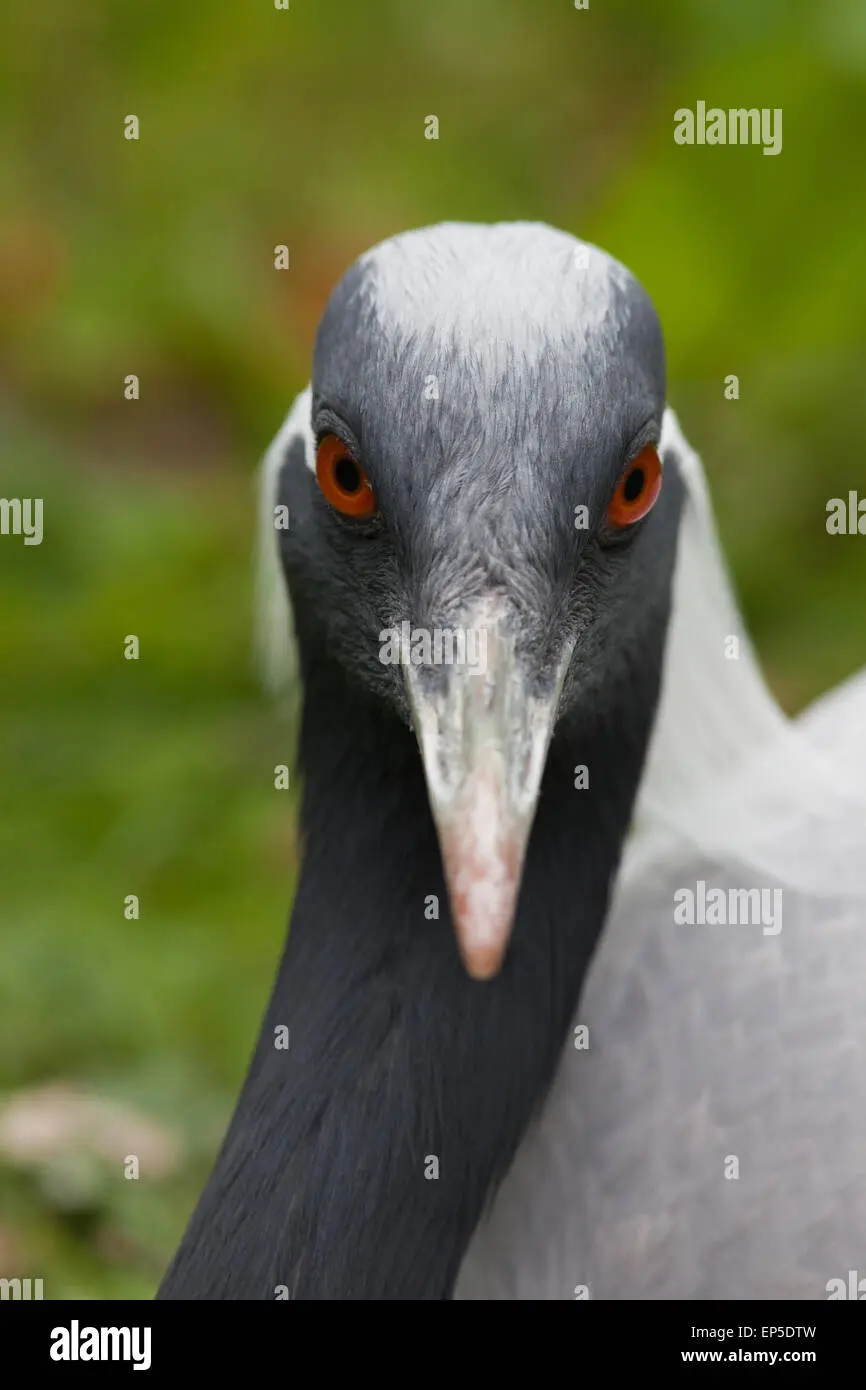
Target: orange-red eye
(342, 479)
(636, 490)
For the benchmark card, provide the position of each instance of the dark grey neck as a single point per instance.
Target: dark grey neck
(358, 1162)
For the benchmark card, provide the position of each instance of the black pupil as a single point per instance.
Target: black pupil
(347, 474)
(633, 485)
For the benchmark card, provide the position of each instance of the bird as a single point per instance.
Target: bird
(512, 1073)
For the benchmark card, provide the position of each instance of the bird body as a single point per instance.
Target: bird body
(708, 1143)
(474, 390)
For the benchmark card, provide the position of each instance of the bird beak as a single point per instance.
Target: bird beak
(483, 740)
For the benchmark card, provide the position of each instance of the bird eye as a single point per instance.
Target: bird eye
(637, 489)
(342, 479)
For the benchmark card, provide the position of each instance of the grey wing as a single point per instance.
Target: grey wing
(710, 1142)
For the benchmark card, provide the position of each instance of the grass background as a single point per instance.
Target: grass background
(305, 127)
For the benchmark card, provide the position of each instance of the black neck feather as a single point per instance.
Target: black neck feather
(400, 1066)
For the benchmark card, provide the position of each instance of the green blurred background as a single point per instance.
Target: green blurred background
(306, 127)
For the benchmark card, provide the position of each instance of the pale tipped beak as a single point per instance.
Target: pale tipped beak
(483, 740)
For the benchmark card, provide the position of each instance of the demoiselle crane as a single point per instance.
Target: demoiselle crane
(466, 1108)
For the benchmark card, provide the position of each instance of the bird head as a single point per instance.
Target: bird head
(476, 517)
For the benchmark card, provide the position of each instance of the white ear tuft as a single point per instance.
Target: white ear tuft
(727, 773)
(276, 648)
